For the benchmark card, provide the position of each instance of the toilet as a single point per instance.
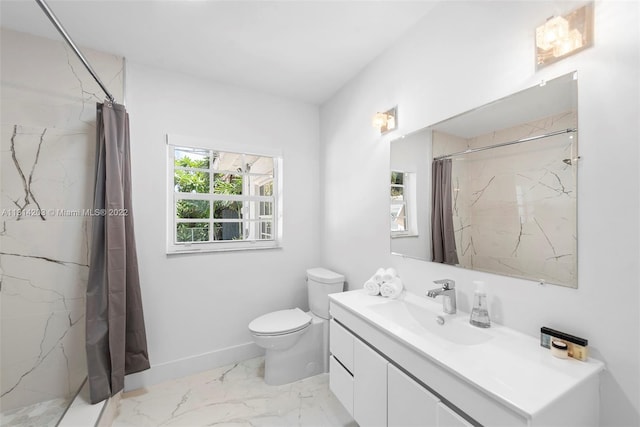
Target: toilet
(297, 342)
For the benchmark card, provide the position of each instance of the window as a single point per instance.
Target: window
(403, 204)
(221, 200)
(398, 203)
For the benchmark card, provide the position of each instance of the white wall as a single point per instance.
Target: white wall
(197, 307)
(460, 56)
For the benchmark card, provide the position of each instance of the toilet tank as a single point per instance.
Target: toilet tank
(320, 283)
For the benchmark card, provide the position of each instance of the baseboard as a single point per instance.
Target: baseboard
(191, 365)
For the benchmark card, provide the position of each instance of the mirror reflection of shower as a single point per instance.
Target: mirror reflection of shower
(514, 177)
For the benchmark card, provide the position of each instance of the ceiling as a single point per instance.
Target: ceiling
(304, 50)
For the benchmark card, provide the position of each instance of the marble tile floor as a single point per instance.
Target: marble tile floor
(42, 414)
(233, 396)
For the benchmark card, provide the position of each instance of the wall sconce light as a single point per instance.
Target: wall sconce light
(387, 121)
(565, 35)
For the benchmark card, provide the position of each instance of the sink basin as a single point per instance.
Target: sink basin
(422, 316)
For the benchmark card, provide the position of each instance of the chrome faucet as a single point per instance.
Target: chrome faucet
(448, 292)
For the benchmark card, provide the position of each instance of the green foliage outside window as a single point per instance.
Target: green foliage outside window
(397, 184)
(198, 181)
(191, 181)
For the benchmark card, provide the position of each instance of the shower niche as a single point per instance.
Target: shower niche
(513, 185)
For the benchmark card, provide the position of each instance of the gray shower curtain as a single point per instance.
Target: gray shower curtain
(116, 340)
(443, 242)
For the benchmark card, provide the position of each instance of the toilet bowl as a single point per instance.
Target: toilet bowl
(279, 330)
(296, 343)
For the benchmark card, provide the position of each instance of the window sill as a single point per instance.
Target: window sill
(402, 236)
(193, 249)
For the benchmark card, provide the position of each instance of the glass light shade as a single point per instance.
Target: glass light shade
(564, 35)
(554, 31)
(391, 122)
(379, 120)
(572, 42)
(386, 121)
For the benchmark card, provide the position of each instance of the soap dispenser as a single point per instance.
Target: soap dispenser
(480, 312)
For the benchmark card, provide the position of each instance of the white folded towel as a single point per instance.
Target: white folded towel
(392, 288)
(389, 274)
(372, 287)
(378, 276)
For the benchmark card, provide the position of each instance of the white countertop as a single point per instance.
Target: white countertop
(508, 365)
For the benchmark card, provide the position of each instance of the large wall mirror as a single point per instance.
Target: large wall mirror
(493, 189)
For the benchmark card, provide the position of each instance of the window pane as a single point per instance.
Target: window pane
(228, 161)
(259, 230)
(258, 164)
(227, 184)
(192, 232)
(267, 189)
(191, 182)
(227, 231)
(266, 230)
(266, 209)
(192, 209)
(261, 185)
(191, 157)
(397, 193)
(224, 209)
(397, 178)
(398, 218)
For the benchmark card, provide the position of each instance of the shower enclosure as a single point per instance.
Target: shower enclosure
(46, 181)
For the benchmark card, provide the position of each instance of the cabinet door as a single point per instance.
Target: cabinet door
(448, 418)
(409, 404)
(341, 344)
(369, 386)
(341, 384)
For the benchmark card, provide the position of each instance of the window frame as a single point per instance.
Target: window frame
(408, 204)
(175, 247)
(402, 204)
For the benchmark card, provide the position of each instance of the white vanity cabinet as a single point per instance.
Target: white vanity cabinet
(378, 394)
(358, 377)
(393, 374)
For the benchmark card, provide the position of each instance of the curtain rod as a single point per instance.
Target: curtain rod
(61, 30)
(503, 144)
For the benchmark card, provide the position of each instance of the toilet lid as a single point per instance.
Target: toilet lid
(280, 322)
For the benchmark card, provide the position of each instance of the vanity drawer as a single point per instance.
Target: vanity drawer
(341, 344)
(341, 384)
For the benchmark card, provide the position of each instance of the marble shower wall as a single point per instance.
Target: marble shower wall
(47, 154)
(515, 206)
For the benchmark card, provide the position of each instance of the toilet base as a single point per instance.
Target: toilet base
(307, 357)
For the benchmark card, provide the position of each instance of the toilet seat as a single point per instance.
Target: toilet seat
(280, 322)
